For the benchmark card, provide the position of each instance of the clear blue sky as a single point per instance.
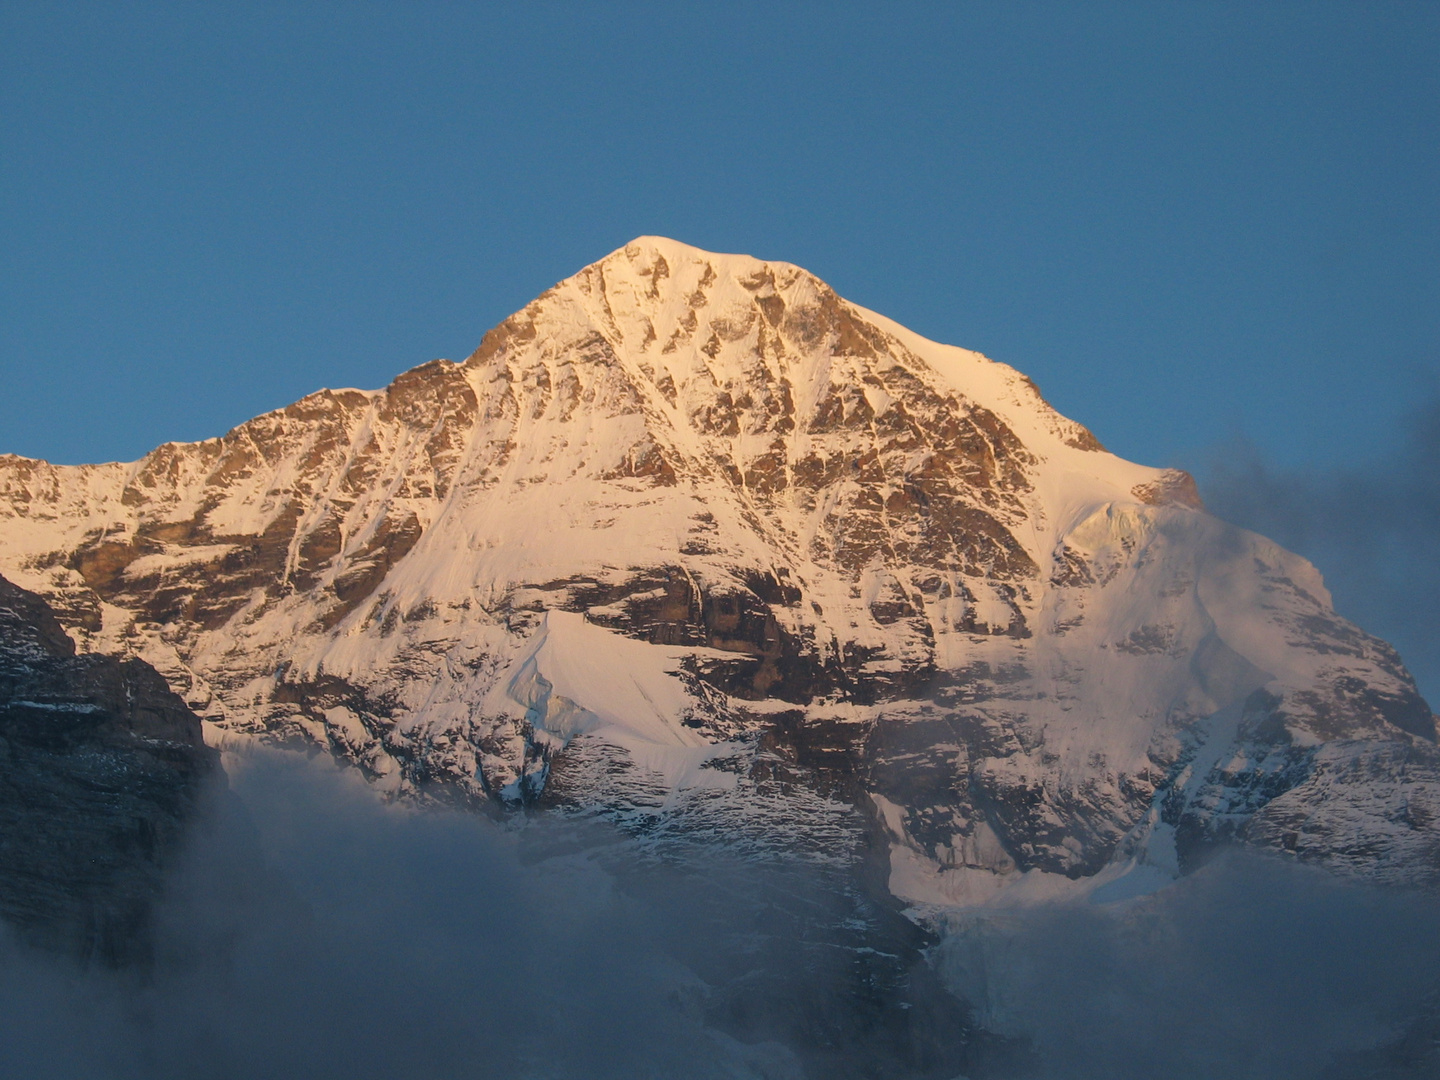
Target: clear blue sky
(1185, 221)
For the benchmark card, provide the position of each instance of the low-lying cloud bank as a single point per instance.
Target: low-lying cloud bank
(1249, 968)
(317, 933)
(1373, 530)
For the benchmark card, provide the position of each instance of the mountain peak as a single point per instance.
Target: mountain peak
(643, 250)
(848, 561)
(690, 320)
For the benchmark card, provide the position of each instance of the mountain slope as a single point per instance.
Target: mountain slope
(101, 770)
(694, 539)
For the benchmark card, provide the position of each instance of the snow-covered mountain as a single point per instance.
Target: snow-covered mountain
(694, 540)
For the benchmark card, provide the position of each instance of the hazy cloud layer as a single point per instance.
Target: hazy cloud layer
(317, 933)
(1250, 969)
(1372, 529)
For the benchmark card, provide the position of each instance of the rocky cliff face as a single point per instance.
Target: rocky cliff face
(692, 539)
(101, 769)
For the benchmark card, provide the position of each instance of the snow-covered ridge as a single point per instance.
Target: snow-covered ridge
(693, 523)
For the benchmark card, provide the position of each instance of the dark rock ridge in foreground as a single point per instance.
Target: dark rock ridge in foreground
(694, 541)
(101, 769)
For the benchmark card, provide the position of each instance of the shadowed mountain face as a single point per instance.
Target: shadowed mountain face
(101, 769)
(693, 540)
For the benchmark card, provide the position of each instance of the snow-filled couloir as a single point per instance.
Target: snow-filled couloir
(693, 539)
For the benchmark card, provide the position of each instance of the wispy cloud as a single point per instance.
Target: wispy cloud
(1373, 530)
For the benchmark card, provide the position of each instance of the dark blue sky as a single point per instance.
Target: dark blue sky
(1185, 221)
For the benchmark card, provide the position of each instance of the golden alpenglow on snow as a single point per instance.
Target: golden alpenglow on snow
(695, 543)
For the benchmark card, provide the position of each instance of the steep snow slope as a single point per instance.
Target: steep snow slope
(693, 538)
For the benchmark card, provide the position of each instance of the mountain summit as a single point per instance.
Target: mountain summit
(695, 541)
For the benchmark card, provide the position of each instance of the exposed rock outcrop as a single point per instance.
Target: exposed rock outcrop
(101, 769)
